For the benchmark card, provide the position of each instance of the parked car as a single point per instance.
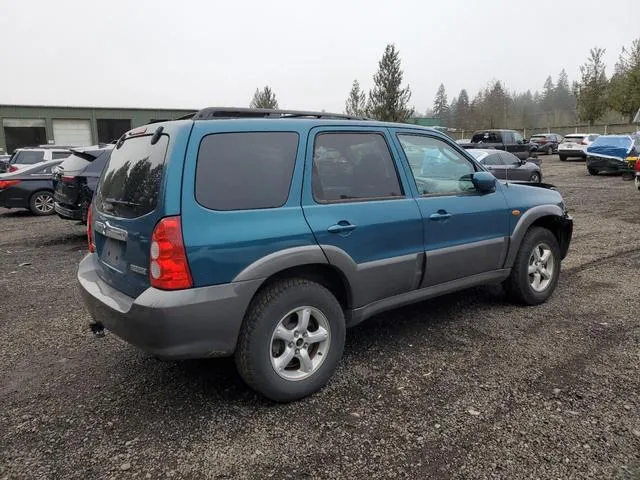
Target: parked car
(506, 166)
(546, 142)
(610, 153)
(29, 188)
(507, 140)
(575, 145)
(24, 157)
(76, 179)
(265, 237)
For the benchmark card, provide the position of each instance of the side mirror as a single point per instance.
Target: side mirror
(484, 182)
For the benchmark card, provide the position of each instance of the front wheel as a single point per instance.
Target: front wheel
(291, 340)
(563, 158)
(535, 178)
(41, 203)
(536, 268)
(592, 171)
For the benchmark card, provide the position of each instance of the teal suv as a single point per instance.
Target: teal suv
(263, 234)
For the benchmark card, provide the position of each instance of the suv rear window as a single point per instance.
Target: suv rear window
(28, 157)
(486, 137)
(130, 184)
(248, 170)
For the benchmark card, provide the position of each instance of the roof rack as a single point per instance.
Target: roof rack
(212, 113)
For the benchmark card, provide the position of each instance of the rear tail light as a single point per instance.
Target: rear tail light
(13, 168)
(67, 178)
(584, 142)
(169, 269)
(8, 183)
(92, 246)
(637, 166)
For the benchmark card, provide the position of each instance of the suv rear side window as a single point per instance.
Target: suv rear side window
(245, 170)
(352, 166)
(131, 182)
(27, 157)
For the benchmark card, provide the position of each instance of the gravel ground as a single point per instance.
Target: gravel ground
(465, 386)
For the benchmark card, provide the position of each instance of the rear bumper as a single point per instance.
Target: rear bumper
(68, 213)
(194, 323)
(572, 153)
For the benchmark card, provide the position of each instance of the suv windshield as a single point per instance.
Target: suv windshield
(130, 184)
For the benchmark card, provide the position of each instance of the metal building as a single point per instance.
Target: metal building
(27, 126)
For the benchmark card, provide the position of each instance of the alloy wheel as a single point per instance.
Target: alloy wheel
(541, 267)
(44, 203)
(299, 343)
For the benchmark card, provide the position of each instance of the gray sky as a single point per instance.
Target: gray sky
(188, 54)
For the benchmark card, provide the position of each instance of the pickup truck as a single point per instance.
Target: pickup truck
(508, 140)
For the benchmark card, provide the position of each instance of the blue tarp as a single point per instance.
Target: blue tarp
(611, 146)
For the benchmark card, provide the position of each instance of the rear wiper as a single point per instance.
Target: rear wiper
(122, 202)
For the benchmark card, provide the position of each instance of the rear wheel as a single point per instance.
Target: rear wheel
(291, 341)
(549, 150)
(563, 158)
(535, 177)
(41, 203)
(592, 171)
(536, 268)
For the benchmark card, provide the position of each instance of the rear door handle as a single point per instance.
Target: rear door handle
(342, 227)
(441, 215)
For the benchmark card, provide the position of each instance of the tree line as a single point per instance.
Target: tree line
(588, 99)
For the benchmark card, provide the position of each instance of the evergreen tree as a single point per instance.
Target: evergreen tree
(264, 98)
(388, 100)
(592, 88)
(565, 102)
(462, 114)
(356, 104)
(624, 87)
(497, 103)
(441, 106)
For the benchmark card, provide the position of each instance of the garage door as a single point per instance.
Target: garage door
(75, 133)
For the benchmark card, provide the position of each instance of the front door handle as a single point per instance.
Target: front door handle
(440, 215)
(342, 227)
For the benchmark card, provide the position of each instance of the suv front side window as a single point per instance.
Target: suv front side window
(443, 170)
(353, 166)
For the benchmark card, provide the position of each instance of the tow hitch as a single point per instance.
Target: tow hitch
(97, 329)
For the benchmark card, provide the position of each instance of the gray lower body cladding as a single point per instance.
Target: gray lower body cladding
(194, 323)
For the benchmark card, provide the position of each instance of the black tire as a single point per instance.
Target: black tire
(549, 150)
(535, 177)
(41, 203)
(518, 286)
(563, 158)
(592, 171)
(254, 350)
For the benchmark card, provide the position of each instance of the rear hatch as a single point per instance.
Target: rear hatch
(69, 178)
(573, 141)
(128, 204)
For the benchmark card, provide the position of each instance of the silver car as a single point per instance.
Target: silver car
(506, 166)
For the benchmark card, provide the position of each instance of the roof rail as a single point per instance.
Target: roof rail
(212, 113)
